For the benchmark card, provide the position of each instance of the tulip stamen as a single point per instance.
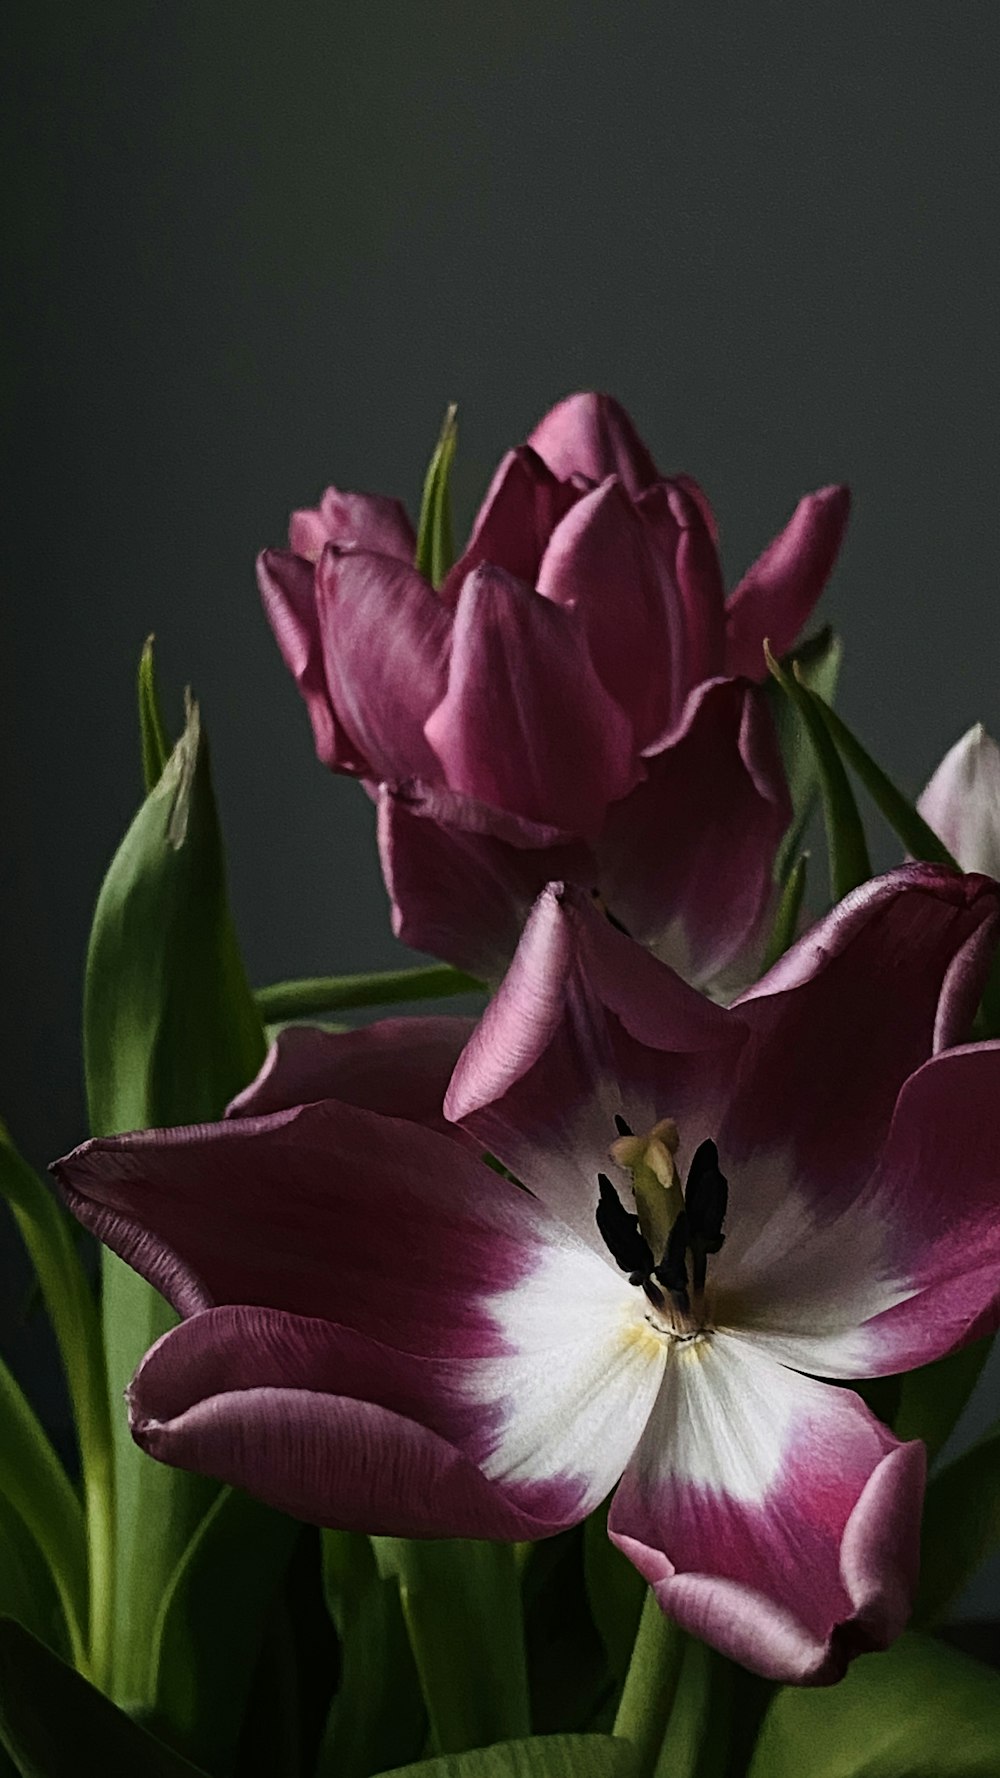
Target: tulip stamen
(676, 1224)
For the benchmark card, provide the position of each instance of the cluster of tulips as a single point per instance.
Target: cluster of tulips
(607, 1332)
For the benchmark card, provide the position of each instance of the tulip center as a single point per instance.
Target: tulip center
(666, 1243)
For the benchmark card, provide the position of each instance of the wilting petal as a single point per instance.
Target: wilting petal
(591, 435)
(962, 802)
(850, 1012)
(526, 724)
(586, 1024)
(523, 505)
(287, 590)
(687, 860)
(399, 1067)
(461, 887)
(692, 576)
(773, 1516)
(777, 595)
(386, 637)
(353, 521)
(600, 564)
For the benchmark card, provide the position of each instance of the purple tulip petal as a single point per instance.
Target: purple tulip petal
(353, 521)
(288, 593)
(591, 435)
(776, 596)
(386, 637)
(676, 525)
(962, 802)
(526, 724)
(687, 860)
(523, 505)
(600, 563)
(461, 887)
(773, 1516)
(573, 1036)
(399, 1067)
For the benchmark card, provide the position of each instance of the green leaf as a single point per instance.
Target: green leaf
(48, 1236)
(170, 1034)
(542, 1756)
(818, 660)
(462, 1607)
(920, 840)
(847, 848)
(786, 919)
(932, 1399)
(212, 1622)
(55, 1725)
(288, 1001)
(34, 1483)
(920, 1710)
(651, 1683)
(435, 543)
(28, 1592)
(961, 1528)
(152, 734)
(377, 1717)
(615, 1590)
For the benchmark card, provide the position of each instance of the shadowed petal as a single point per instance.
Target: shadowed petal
(591, 435)
(774, 1516)
(692, 575)
(400, 1067)
(289, 598)
(962, 802)
(523, 505)
(776, 596)
(526, 724)
(353, 521)
(386, 637)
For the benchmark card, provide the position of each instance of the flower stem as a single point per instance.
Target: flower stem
(335, 993)
(650, 1685)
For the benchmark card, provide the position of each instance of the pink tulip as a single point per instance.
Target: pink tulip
(578, 699)
(719, 1208)
(962, 802)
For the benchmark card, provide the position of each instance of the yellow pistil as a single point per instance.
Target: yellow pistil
(656, 1182)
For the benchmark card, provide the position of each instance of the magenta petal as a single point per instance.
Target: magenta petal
(776, 596)
(399, 1067)
(591, 435)
(523, 504)
(685, 545)
(353, 521)
(386, 637)
(460, 888)
(282, 1407)
(600, 564)
(962, 802)
(774, 1516)
(287, 589)
(859, 1003)
(526, 724)
(687, 860)
(573, 1035)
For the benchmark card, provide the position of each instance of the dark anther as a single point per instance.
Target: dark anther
(672, 1269)
(706, 1197)
(653, 1295)
(621, 1233)
(621, 1126)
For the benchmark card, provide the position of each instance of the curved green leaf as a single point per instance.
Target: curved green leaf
(920, 840)
(785, 928)
(543, 1756)
(435, 542)
(55, 1725)
(920, 1710)
(28, 1593)
(152, 733)
(818, 662)
(377, 1717)
(847, 847)
(334, 993)
(961, 1528)
(33, 1481)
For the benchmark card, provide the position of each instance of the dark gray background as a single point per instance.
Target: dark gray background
(257, 247)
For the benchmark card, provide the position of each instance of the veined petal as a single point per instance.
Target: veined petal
(289, 598)
(687, 860)
(386, 637)
(591, 435)
(774, 1516)
(776, 596)
(353, 521)
(526, 724)
(523, 505)
(586, 1023)
(676, 524)
(462, 882)
(600, 563)
(399, 1067)
(962, 802)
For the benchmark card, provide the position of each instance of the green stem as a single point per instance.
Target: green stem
(650, 1685)
(48, 1237)
(335, 993)
(38, 1488)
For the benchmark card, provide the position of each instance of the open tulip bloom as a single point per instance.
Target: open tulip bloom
(577, 687)
(710, 1217)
